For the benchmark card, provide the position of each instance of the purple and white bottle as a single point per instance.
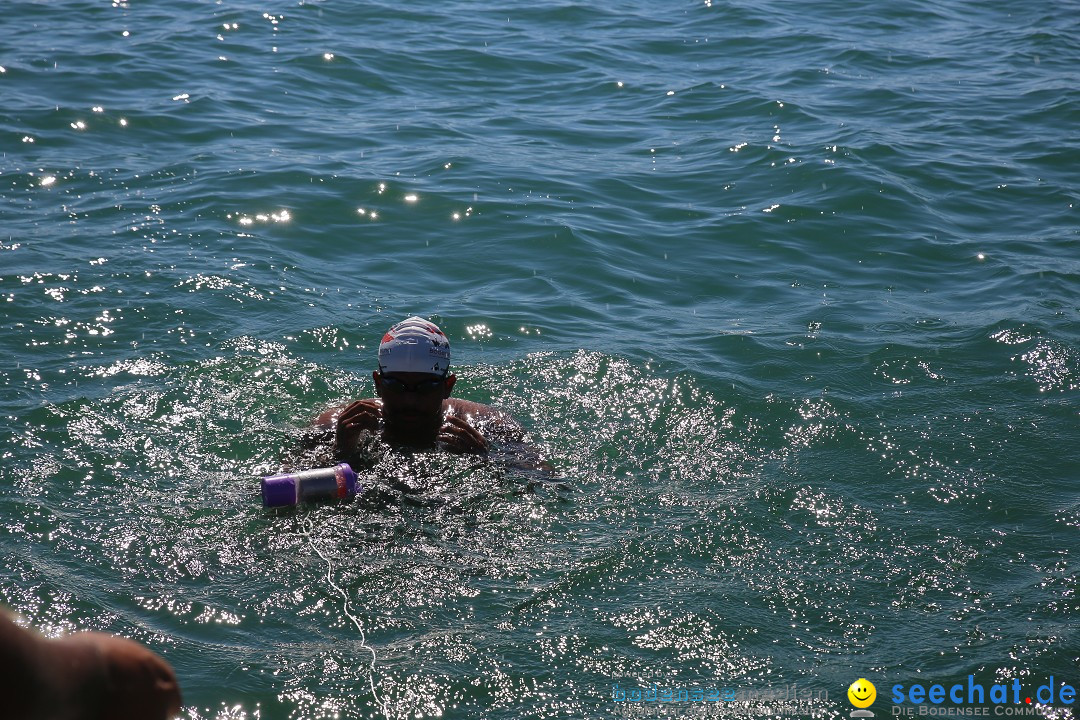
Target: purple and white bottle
(331, 483)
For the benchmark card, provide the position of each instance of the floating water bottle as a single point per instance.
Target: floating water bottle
(332, 483)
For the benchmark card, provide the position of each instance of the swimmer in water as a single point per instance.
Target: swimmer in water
(413, 408)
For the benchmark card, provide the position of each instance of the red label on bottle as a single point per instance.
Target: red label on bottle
(342, 485)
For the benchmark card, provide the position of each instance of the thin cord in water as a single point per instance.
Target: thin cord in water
(345, 608)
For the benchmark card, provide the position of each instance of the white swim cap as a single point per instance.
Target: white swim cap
(415, 345)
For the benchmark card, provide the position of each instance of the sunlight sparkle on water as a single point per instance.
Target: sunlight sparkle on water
(281, 216)
(478, 331)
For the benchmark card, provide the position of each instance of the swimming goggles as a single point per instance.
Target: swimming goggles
(423, 387)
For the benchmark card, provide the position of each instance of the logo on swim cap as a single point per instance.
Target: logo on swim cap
(415, 345)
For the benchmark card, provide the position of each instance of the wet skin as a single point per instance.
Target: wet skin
(85, 676)
(412, 410)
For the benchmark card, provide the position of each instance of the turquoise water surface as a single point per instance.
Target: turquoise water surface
(789, 294)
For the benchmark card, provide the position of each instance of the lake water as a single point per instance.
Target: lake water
(789, 294)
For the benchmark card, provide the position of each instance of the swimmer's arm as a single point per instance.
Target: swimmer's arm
(327, 420)
(512, 445)
(492, 423)
(336, 435)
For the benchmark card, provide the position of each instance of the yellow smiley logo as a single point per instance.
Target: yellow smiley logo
(862, 693)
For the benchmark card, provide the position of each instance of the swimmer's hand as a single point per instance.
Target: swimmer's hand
(130, 681)
(82, 677)
(357, 418)
(458, 436)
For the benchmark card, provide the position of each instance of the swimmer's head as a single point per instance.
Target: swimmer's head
(414, 345)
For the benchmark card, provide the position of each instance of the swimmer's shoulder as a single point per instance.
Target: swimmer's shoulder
(486, 418)
(327, 418)
(474, 409)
